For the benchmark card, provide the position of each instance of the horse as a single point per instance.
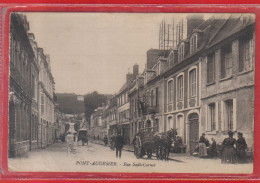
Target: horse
(163, 142)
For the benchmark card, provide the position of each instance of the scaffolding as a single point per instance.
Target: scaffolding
(171, 33)
(166, 35)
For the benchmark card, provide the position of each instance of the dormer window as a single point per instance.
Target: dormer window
(171, 59)
(145, 77)
(159, 68)
(181, 51)
(193, 43)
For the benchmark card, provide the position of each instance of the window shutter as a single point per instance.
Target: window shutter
(251, 53)
(216, 116)
(209, 113)
(222, 116)
(222, 64)
(241, 56)
(172, 91)
(234, 114)
(206, 117)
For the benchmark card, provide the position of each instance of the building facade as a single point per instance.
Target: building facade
(34, 93)
(30, 77)
(46, 102)
(203, 85)
(227, 96)
(112, 116)
(96, 123)
(214, 66)
(136, 105)
(21, 59)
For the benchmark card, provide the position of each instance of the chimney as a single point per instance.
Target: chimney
(152, 57)
(129, 78)
(135, 70)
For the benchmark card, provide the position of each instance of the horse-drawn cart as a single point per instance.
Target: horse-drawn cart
(143, 144)
(147, 142)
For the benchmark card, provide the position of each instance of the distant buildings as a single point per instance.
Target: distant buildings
(31, 88)
(203, 83)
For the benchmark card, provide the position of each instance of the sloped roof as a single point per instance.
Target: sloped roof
(154, 54)
(233, 24)
(215, 30)
(208, 28)
(123, 87)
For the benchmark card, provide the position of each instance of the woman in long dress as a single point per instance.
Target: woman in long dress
(203, 144)
(229, 152)
(241, 148)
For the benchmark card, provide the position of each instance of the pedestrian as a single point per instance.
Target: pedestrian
(119, 142)
(105, 140)
(177, 144)
(241, 147)
(203, 144)
(212, 152)
(229, 153)
(74, 137)
(94, 137)
(112, 142)
(70, 142)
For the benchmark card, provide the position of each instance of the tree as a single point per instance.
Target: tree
(69, 104)
(92, 101)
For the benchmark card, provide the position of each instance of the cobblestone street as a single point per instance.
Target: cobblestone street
(98, 158)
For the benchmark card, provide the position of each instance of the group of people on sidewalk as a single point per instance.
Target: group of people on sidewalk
(232, 150)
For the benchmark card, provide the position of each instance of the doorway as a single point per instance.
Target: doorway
(194, 130)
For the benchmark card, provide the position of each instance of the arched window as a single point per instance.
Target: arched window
(193, 43)
(180, 88)
(170, 123)
(180, 125)
(171, 59)
(148, 125)
(192, 83)
(170, 91)
(181, 52)
(159, 68)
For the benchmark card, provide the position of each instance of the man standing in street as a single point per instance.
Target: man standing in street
(119, 142)
(105, 140)
(112, 142)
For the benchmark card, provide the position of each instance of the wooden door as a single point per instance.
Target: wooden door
(194, 131)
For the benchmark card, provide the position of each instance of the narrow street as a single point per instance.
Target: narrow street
(98, 158)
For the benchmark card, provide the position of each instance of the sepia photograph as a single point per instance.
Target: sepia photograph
(131, 92)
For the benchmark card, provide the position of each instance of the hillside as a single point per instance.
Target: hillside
(69, 104)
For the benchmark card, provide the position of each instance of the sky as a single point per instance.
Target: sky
(94, 51)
